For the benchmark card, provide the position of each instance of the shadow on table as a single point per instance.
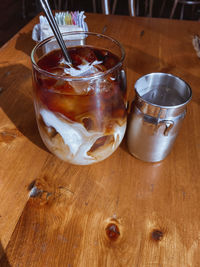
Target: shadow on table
(3, 258)
(144, 63)
(16, 102)
(25, 43)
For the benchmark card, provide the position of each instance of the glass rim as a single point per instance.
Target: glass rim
(165, 106)
(76, 78)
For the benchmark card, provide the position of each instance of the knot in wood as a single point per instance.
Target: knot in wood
(112, 231)
(157, 235)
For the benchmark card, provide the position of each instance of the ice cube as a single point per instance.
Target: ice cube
(80, 86)
(84, 69)
(87, 54)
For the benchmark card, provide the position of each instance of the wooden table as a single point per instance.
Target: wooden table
(122, 211)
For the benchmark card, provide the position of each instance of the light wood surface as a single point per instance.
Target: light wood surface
(122, 211)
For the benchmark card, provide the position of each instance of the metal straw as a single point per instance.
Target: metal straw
(50, 18)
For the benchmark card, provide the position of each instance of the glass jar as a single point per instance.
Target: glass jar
(81, 118)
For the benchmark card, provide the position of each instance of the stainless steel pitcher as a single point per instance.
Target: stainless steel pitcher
(156, 115)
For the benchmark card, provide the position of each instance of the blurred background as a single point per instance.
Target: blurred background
(16, 13)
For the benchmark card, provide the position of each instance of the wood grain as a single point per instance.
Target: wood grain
(122, 211)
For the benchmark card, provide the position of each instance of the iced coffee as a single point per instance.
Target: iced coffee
(80, 109)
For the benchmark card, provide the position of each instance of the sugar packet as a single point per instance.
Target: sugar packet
(67, 22)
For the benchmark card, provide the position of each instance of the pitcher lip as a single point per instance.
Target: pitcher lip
(162, 106)
(81, 78)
